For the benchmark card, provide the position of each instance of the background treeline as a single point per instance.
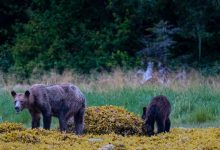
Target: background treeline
(87, 35)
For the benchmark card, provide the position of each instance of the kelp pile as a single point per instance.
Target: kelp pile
(112, 119)
(14, 136)
(8, 127)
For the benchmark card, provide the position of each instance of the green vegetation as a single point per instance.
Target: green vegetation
(195, 105)
(195, 102)
(99, 35)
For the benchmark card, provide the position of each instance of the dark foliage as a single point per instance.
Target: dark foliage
(87, 35)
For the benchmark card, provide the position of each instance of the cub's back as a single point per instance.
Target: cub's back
(161, 104)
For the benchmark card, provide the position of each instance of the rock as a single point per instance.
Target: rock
(107, 147)
(95, 140)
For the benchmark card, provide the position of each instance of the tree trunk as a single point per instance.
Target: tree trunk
(148, 74)
(199, 38)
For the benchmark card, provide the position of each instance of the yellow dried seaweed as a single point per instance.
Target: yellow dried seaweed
(14, 136)
(111, 119)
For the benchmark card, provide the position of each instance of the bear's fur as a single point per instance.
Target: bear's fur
(157, 111)
(60, 100)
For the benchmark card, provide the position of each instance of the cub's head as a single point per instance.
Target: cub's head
(144, 113)
(147, 128)
(20, 100)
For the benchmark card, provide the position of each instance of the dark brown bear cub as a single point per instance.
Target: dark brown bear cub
(157, 111)
(61, 100)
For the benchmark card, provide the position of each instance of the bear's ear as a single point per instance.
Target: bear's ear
(27, 93)
(144, 109)
(13, 93)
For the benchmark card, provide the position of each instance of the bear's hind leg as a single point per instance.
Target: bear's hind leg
(167, 125)
(79, 121)
(160, 125)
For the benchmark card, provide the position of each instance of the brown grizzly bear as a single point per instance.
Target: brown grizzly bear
(157, 111)
(61, 100)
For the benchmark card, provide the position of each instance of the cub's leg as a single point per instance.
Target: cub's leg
(167, 125)
(160, 125)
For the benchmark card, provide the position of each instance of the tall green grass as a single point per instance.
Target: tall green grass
(196, 106)
(195, 102)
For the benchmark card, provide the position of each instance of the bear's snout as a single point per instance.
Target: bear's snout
(17, 109)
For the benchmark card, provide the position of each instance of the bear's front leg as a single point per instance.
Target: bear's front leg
(46, 121)
(46, 118)
(150, 128)
(35, 119)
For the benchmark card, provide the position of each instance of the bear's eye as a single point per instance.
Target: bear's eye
(15, 102)
(22, 101)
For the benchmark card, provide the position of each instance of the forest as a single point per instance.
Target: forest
(121, 54)
(100, 35)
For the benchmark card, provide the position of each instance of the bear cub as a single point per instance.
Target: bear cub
(157, 111)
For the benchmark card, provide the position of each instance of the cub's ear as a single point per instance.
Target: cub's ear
(144, 109)
(13, 93)
(27, 93)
